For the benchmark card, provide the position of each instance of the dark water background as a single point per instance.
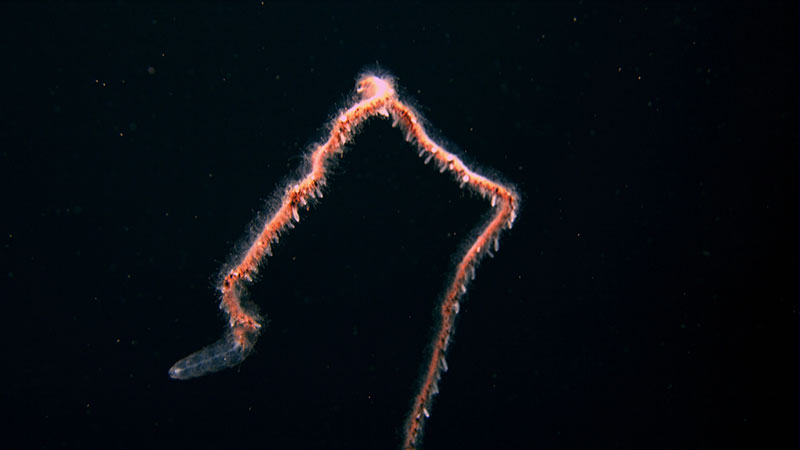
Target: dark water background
(646, 297)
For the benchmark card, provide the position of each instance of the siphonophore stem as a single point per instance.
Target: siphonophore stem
(375, 97)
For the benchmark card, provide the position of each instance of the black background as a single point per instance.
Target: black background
(646, 297)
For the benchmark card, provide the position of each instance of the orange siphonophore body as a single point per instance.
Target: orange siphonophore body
(375, 97)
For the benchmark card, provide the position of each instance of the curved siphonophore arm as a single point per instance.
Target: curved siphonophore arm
(375, 96)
